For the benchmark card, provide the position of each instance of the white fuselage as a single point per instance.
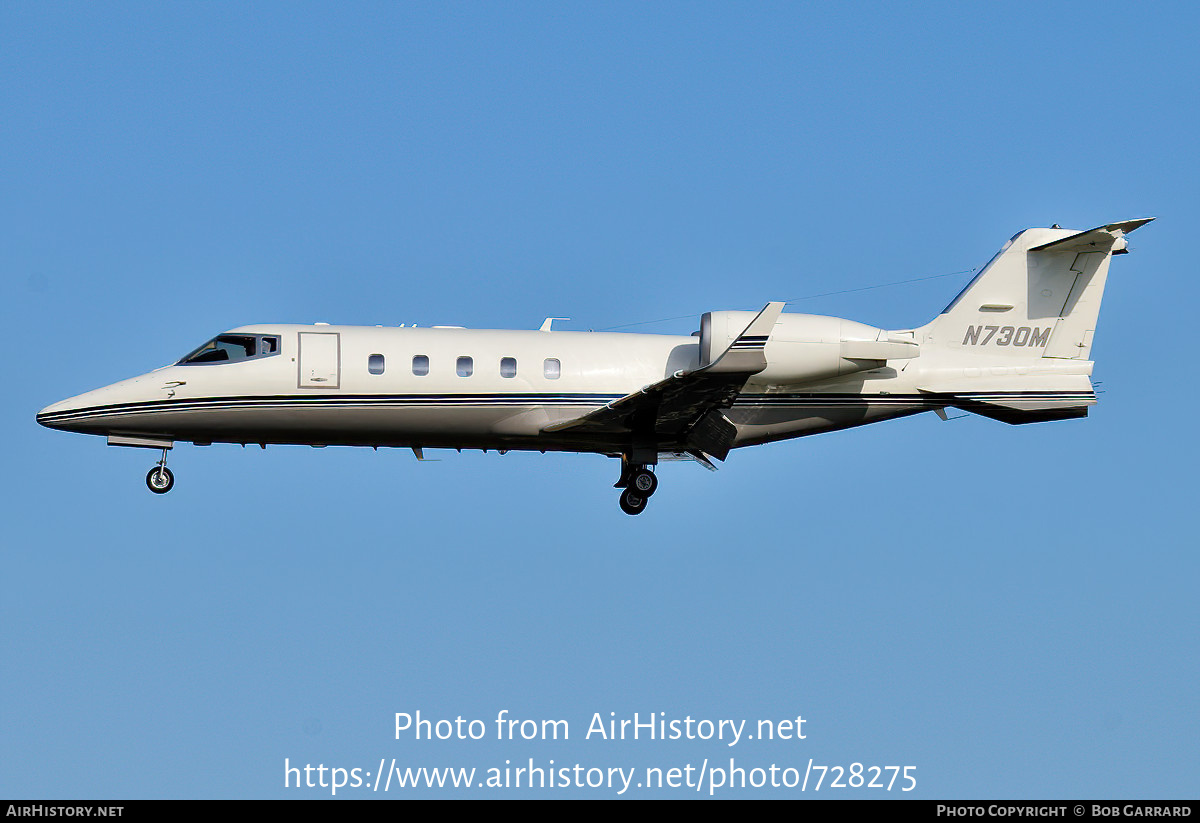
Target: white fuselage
(354, 385)
(1014, 346)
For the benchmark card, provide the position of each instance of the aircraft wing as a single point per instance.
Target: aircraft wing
(685, 408)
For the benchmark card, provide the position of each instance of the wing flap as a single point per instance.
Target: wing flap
(713, 434)
(684, 409)
(675, 403)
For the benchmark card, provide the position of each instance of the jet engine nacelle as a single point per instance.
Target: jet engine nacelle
(807, 347)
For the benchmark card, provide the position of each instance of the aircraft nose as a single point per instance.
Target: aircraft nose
(52, 409)
(94, 412)
(55, 416)
(82, 412)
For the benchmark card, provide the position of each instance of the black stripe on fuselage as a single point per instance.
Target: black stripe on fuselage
(797, 400)
(330, 401)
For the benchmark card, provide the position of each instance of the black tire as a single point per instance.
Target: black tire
(160, 480)
(632, 502)
(643, 482)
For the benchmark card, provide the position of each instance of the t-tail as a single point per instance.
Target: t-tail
(1015, 345)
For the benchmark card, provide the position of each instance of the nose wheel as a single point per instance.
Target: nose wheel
(639, 483)
(160, 480)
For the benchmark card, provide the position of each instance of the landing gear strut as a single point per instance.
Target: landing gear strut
(639, 483)
(160, 480)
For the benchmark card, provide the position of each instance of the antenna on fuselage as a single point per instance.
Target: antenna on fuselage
(550, 322)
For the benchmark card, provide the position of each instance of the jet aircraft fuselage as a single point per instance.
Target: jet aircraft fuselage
(1014, 345)
(442, 388)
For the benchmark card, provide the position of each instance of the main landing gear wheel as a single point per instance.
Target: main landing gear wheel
(643, 482)
(637, 483)
(160, 480)
(632, 502)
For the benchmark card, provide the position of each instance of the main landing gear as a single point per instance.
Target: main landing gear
(639, 483)
(160, 480)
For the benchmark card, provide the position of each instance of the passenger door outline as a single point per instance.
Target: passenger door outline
(319, 361)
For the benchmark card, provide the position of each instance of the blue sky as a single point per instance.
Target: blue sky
(1010, 610)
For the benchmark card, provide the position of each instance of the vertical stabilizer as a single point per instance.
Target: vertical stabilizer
(1039, 297)
(1015, 344)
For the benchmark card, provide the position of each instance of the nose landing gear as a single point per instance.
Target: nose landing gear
(160, 480)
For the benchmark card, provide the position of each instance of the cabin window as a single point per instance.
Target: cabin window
(229, 348)
(375, 364)
(553, 368)
(420, 365)
(465, 367)
(508, 367)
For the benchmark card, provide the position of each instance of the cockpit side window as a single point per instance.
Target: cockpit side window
(229, 348)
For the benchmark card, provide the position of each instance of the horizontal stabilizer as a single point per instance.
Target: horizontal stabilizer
(1101, 238)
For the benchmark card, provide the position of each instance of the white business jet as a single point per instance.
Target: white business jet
(1013, 346)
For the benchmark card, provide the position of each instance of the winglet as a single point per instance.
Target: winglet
(747, 354)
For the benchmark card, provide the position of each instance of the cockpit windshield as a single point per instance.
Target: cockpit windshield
(228, 348)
